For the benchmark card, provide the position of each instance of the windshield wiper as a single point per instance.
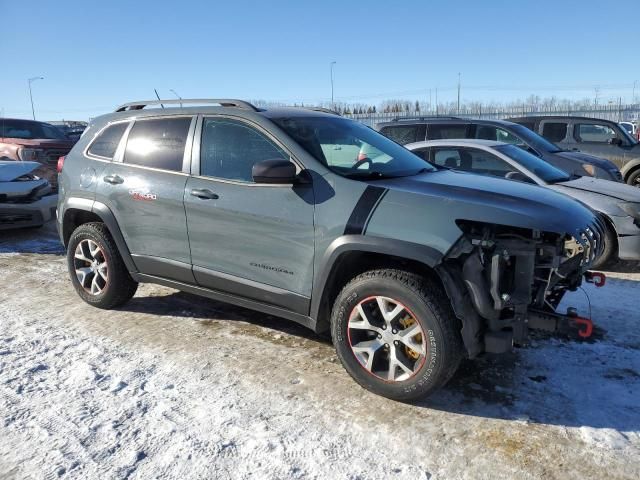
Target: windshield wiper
(368, 175)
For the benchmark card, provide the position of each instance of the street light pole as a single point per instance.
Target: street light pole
(176, 94)
(30, 81)
(331, 68)
(633, 95)
(458, 93)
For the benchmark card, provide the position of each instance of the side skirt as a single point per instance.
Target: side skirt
(228, 298)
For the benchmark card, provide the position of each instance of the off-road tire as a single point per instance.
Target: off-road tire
(609, 255)
(120, 287)
(432, 309)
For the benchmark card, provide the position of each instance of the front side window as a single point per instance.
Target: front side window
(404, 134)
(351, 149)
(554, 131)
(158, 143)
(489, 132)
(594, 133)
(437, 132)
(106, 143)
(229, 149)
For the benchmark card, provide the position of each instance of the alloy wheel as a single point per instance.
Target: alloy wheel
(90, 267)
(386, 339)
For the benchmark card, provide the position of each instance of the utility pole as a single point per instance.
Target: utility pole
(597, 92)
(331, 68)
(30, 81)
(633, 95)
(458, 93)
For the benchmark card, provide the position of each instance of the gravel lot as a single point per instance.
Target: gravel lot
(174, 386)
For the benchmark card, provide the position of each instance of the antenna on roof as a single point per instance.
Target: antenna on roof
(158, 97)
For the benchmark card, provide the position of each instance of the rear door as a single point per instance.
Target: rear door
(248, 239)
(144, 188)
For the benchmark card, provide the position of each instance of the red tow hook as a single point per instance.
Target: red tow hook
(598, 279)
(586, 327)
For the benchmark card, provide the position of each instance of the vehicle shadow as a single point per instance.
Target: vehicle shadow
(555, 381)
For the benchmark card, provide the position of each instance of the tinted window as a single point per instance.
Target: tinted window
(158, 143)
(29, 130)
(437, 132)
(554, 131)
(529, 125)
(423, 153)
(107, 141)
(405, 134)
(594, 133)
(351, 149)
(229, 149)
(488, 132)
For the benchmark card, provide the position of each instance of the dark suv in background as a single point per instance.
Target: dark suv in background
(410, 130)
(592, 136)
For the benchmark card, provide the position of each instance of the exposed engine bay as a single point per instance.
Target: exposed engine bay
(513, 279)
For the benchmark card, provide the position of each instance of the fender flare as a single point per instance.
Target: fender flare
(369, 244)
(109, 219)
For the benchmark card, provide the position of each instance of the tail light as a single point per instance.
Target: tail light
(60, 163)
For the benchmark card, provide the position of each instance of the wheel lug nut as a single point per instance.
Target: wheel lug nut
(379, 336)
(394, 331)
(384, 327)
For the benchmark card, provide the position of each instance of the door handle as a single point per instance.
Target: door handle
(113, 179)
(204, 194)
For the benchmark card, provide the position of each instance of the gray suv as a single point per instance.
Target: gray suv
(409, 266)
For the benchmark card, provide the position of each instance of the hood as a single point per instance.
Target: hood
(11, 170)
(599, 187)
(487, 199)
(40, 143)
(602, 163)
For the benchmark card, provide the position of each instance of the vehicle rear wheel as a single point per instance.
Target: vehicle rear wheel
(96, 268)
(634, 178)
(395, 334)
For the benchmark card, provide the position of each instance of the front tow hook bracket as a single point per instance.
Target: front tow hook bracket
(568, 324)
(598, 279)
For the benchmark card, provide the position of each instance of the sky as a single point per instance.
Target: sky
(95, 55)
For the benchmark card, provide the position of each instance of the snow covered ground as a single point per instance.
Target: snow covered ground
(174, 386)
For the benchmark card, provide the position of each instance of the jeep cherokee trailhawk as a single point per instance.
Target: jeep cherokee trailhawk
(410, 266)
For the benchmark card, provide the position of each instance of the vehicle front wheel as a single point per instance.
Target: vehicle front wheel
(610, 253)
(634, 178)
(96, 268)
(395, 334)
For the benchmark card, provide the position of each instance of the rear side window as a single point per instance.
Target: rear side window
(158, 143)
(106, 143)
(229, 149)
(554, 131)
(437, 132)
(404, 134)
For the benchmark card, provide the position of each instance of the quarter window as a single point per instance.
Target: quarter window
(437, 132)
(229, 149)
(158, 143)
(106, 143)
(589, 132)
(405, 134)
(554, 131)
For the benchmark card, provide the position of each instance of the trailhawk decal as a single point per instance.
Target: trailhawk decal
(137, 195)
(367, 204)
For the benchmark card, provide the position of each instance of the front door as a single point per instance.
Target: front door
(144, 188)
(249, 239)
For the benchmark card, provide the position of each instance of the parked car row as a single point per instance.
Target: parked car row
(319, 219)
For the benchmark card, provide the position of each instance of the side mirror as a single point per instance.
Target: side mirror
(615, 141)
(518, 176)
(274, 171)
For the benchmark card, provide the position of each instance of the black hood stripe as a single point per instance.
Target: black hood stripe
(368, 202)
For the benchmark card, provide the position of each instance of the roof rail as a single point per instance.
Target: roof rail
(224, 102)
(319, 109)
(426, 117)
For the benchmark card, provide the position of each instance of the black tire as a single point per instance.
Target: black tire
(634, 178)
(430, 307)
(119, 286)
(609, 255)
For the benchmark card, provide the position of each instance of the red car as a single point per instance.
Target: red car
(29, 140)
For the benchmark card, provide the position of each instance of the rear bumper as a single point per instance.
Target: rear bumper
(22, 215)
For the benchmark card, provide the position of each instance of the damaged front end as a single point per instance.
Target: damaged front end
(25, 199)
(504, 281)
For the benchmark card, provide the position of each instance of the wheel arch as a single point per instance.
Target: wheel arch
(79, 211)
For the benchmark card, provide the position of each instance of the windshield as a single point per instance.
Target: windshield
(628, 134)
(536, 141)
(29, 130)
(350, 148)
(540, 168)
